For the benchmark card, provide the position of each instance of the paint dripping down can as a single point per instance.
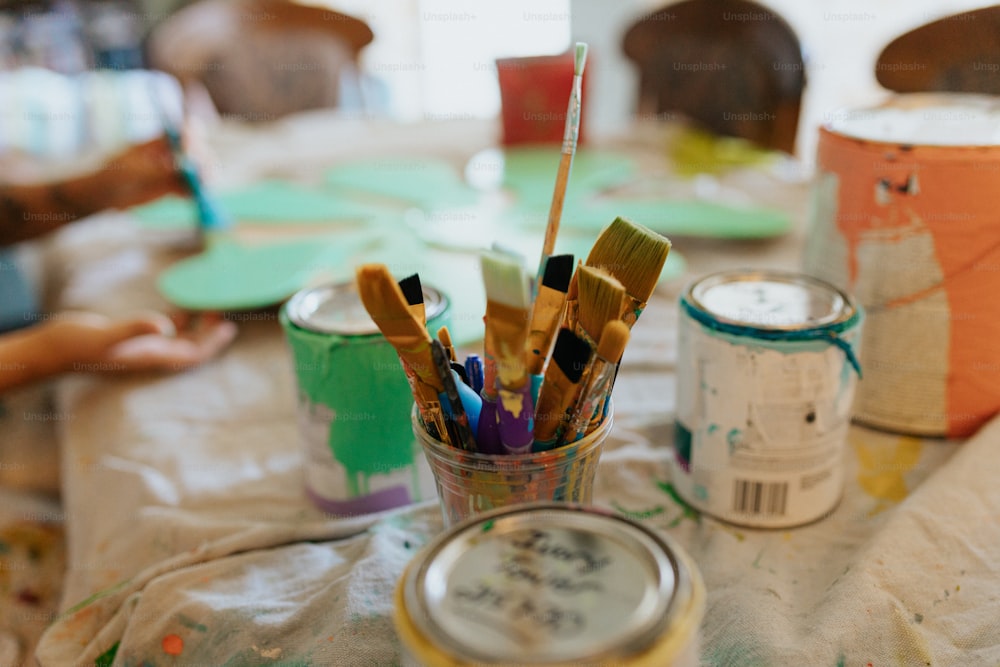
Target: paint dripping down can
(767, 365)
(905, 215)
(354, 403)
(554, 584)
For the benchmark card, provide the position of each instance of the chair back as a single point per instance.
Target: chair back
(958, 53)
(732, 66)
(261, 59)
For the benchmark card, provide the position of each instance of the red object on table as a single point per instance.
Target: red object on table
(534, 98)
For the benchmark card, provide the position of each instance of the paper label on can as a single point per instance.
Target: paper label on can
(761, 426)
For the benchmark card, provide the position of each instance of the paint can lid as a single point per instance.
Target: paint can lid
(924, 119)
(770, 300)
(551, 583)
(336, 308)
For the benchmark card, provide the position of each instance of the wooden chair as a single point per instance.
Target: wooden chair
(958, 53)
(260, 59)
(732, 66)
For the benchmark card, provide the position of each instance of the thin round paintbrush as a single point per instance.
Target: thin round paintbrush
(456, 419)
(444, 336)
(588, 409)
(508, 301)
(212, 215)
(600, 299)
(634, 255)
(571, 135)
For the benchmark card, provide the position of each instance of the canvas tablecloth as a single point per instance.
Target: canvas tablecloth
(190, 541)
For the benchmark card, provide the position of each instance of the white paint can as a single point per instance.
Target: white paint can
(766, 372)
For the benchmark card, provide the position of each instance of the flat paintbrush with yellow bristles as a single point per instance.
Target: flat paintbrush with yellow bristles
(600, 299)
(635, 255)
(388, 307)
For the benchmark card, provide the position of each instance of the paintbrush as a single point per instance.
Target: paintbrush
(444, 336)
(413, 292)
(634, 255)
(570, 136)
(488, 432)
(385, 303)
(587, 411)
(546, 312)
(211, 214)
(570, 357)
(600, 299)
(456, 420)
(474, 372)
(508, 299)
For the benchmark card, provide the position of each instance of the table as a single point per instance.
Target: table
(191, 543)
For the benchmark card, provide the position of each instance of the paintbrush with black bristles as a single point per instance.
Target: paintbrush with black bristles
(635, 255)
(546, 313)
(571, 356)
(413, 292)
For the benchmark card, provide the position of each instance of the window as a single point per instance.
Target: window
(435, 58)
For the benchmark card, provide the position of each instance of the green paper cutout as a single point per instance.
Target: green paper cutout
(231, 276)
(666, 216)
(427, 182)
(530, 172)
(274, 202)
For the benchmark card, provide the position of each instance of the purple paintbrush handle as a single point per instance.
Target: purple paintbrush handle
(488, 431)
(516, 413)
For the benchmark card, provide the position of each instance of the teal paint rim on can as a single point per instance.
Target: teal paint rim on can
(353, 403)
(840, 314)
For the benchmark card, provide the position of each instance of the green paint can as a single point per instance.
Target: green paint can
(354, 403)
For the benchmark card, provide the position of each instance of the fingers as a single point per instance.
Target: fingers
(190, 348)
(139, 326)
(207, 342)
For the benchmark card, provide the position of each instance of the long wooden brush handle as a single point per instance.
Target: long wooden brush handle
(556, 207)
(571, 134)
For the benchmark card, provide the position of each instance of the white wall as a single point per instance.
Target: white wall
(841, 39)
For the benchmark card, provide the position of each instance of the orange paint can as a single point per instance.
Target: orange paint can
(906, 217)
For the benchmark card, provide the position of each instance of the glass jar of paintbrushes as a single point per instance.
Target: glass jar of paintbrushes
(526, 421)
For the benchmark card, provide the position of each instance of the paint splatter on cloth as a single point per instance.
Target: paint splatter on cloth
(32, 563)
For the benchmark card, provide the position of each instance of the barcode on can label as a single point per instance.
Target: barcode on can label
(759, 498)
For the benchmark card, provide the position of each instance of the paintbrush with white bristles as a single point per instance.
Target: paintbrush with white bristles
(508, 301)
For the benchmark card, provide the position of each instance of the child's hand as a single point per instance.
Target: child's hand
(88, 342)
